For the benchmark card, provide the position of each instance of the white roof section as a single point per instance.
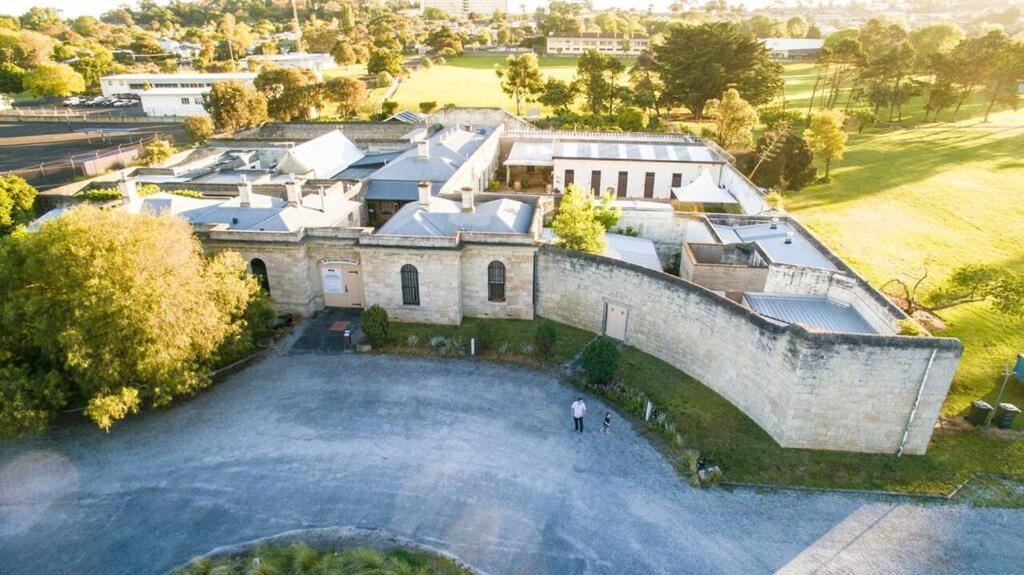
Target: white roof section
(50, 215)
(703, 190)
(322, 157)
(783, 44)
(814, 312)
(799, 252)
(445, 217)
(200, 76)
(635, 151)
(530, 154)
(639, 251)
(265, 213)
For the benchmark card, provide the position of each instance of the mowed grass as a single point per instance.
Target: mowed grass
(936, 197)
(470, 81)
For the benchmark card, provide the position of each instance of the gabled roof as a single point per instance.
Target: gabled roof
(445, 217)
(703, 190)
(265, 213)
(322, 157)
(819, 313)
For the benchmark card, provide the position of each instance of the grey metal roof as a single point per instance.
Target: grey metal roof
(402, 191)
(799, 252)
(406, 117)
(638, 151)
(445, 217)
(265, 213)
(811, 311)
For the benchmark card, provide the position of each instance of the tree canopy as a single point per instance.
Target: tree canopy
(234, 105)
(132, 314)
(58, 80)
(521, 78)
(735, 120)
(698, 63)
(580, 222)
(826, 136)
(16, 200)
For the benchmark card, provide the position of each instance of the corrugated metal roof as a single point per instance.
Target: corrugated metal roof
(653, 151)
(265, 213)
(406, 117)
(813, 312)
(445, 217)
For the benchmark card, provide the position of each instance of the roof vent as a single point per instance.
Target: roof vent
(775, 224)
(789, 237)
(234, 221)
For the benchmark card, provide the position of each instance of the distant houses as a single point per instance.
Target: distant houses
(611, 44)
(169, 94)
(793, 48)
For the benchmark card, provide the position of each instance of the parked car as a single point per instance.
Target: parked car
(74, 101)
(94, 101)
(122, 103)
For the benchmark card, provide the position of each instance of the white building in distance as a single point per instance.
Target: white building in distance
(306, 61)
(169, 94)
(463, 8)
(611, 44)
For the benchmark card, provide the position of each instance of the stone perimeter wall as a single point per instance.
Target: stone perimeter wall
(807, 390)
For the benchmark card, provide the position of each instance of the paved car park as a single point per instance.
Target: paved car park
(475, 458)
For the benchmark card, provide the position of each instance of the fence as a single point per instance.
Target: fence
(48, 114)
(48, 174)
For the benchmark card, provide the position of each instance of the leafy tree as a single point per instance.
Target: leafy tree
(384, 60)
(16, 200)
(698, 63)
(156, 153)
(975, 283)
(600, 361)
(561, 17)
(735, 120)
(974, 60)
(782, 160)
(797, 27)
(826, 136)
(348, 94)
(760, 26)
(156, 316)
(346, 18)
(45, 20)
(938, 38)
(1005, 79)
(234, 105)
(26, 48)
(375, 325)
(290, 92)
(428, 107)
(94, 66)
(646, 88)
(576, 222)
(504, 37)
(597, 77)
(521, 79)
(558, 94)
(58, 80)
(343, 54)
(11, 76)
(630, 119)
(388, 108)
(443, 38)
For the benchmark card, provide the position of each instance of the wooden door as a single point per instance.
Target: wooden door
(615, 317)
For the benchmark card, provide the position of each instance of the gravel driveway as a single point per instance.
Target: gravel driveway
(477, 459)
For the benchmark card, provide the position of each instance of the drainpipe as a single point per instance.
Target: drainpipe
(917, 402)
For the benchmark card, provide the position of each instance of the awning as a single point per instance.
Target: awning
(530, 154)
(703, 190)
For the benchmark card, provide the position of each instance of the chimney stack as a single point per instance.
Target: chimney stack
(423, 149)
(293, 192)
(467, 200)
(129, 193)
(245, 192)
(424, 195)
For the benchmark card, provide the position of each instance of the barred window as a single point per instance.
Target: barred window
(410, 285)
(496, 281)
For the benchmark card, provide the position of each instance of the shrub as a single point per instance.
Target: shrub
(428, 107)
(157, 152)
(544, 339)
(389, 107)
(600, 360)
(484, 336)
(384, 79)
(100, 195)
(425, 63)
(198, 128)
(493, 185)
(375, 325)
(440, 61)
(776, 200)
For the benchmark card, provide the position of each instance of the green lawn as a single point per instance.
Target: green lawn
(470, 81)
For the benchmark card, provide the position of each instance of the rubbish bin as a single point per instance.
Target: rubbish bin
(346, 339)
(979, 412)
(1005, 414)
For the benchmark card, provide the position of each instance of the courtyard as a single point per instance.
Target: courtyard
(474, 458)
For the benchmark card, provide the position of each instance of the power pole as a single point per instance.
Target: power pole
(298, 29)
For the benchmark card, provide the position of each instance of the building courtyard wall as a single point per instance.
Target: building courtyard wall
(807, 390)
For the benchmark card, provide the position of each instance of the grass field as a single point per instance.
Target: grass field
(470, 81)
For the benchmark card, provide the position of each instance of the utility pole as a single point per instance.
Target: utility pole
(298, 29)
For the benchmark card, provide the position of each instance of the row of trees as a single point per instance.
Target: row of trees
(885, 66)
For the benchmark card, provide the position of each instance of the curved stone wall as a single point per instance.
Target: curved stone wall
(850, 392)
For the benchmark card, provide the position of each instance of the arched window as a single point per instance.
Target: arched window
(259, 269)
(496, 281)
(410, 285)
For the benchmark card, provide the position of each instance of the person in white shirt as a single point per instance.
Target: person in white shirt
(579, 409)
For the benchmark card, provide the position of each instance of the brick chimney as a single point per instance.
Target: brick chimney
(293, 192)
(423, 149)
(424, 195)
(467, 200)
(245, 192)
